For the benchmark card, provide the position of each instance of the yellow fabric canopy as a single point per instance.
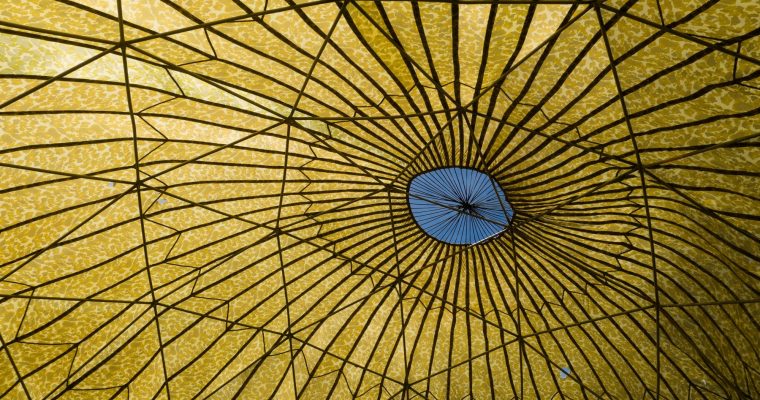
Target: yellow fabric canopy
(208, 199)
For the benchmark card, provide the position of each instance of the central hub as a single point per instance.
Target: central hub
(458, 205)
(467, 207)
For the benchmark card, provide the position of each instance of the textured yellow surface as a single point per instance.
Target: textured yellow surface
(207, 199)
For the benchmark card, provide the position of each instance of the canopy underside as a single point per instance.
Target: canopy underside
(208, 199)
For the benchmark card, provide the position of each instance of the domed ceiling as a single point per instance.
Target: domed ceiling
(210, 199)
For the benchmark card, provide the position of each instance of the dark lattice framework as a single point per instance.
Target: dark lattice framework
(206, 199)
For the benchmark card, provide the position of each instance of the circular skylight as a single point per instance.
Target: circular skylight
(459, 205)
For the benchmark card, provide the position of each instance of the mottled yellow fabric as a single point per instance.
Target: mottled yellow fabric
(207, 199)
